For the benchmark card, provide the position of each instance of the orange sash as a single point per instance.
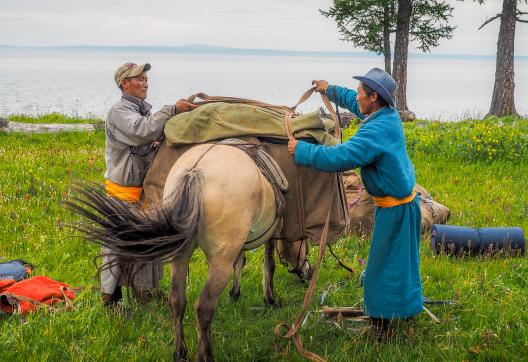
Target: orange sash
(125, 193)
(389, 201)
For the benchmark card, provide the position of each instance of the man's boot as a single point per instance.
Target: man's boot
(380, 328)
(112, 299)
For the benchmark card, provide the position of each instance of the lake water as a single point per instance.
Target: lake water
(80, 82)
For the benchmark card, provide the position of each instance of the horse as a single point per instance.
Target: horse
(217, 201)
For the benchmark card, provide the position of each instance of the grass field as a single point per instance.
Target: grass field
(51, 118)
(478, 169)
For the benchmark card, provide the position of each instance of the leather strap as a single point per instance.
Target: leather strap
(294, 328)
(329, 107)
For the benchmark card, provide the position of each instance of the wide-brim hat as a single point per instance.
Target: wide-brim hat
(129, 70)
(380, 82)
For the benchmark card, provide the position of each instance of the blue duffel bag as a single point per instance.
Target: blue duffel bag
(15, 269)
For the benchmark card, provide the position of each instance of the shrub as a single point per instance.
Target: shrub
(488, 140)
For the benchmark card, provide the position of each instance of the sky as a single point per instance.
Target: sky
(269, 24)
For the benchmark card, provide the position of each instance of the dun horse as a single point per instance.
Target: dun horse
(216, 201)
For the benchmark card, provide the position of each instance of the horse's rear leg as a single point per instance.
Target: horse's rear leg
(178, 302)
(240, 261)
(269, 271)
(218, 276)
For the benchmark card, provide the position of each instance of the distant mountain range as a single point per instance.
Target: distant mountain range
(210, 49)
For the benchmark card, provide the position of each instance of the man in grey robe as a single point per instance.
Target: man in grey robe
(132, 135)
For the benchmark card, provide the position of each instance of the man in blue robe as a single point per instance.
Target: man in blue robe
(392, 284)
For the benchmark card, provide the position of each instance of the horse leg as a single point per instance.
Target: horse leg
(240, 261)
(178, 302)
(269, 271)
(218, 276)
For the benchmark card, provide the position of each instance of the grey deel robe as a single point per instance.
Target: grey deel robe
(130, 131)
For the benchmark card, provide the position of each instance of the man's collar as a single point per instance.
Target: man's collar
(144, 107)
(375, 114)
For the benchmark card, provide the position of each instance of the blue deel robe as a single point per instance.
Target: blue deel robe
(392, 286)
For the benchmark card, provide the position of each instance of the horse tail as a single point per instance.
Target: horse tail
(133, 234)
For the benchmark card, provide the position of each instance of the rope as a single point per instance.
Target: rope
(337, 112)
(203, 154)
(349, 269)
(15, 299)
(357, 200)
(437, 302)
(294, 328)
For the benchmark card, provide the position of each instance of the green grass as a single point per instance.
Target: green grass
(490, 321)
(51, 118)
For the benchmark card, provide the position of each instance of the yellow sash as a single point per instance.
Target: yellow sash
(389, 201)
(125, 193)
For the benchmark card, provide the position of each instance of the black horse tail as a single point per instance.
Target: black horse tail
(133, 234)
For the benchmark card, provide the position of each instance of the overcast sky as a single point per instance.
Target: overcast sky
(277, 24)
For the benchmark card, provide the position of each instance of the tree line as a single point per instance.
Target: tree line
(369, 24)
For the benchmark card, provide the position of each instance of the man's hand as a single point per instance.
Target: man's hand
(320, 85)
(183, 106)
(292, 143)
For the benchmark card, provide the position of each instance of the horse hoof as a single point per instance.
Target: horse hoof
(177, 358)
(234, 295)
(181, 356)
(272, 303)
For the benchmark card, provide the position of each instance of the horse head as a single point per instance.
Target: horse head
(294, 255)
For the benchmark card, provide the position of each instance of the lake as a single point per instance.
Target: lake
(79, 82)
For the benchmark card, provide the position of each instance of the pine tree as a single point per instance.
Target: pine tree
(369, 24)
(503, 100)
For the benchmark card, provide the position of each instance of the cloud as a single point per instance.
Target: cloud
(281, 24)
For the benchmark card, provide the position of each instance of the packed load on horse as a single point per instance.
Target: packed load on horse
(308, 191)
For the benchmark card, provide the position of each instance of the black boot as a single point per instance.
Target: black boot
(380, 328)
(109, 300)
